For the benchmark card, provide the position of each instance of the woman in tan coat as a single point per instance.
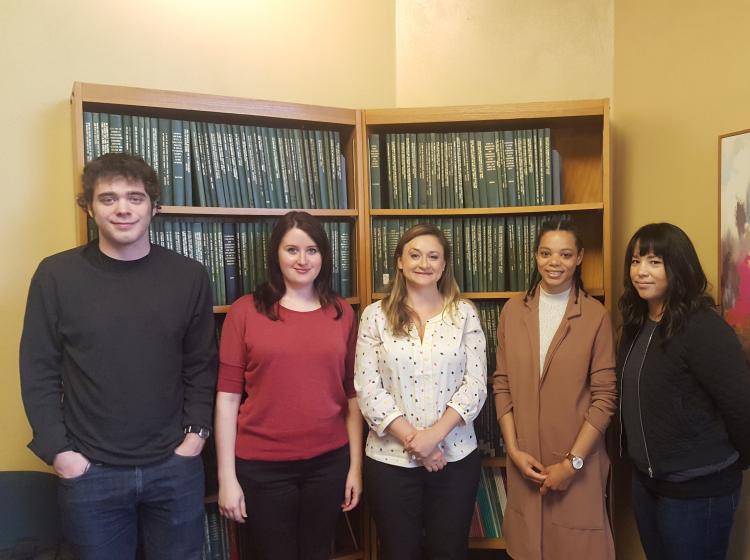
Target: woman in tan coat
(555, 392)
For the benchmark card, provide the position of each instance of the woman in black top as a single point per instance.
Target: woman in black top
(685, 393)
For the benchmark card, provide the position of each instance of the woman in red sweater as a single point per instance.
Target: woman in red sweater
(290, 454)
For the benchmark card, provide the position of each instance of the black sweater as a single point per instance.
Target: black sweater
(117, 356)
(694, 396)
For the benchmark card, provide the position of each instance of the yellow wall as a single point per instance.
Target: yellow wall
(680, 79)
(458, 52)
(328, 52)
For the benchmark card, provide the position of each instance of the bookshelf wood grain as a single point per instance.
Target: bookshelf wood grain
(487, 543)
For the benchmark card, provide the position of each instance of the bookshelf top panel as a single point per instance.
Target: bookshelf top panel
(203, 103)
(475, 113)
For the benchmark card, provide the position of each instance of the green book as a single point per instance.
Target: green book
(500, 252)
(304, 195)
(547, 166)
(218, 169)
(88, 136)
(127, 134)
(187, 163)
(489, 158)
(265, 181)
(431, 172)
(177, 162)
(469, 275)
(326, 199)
(556, 178)
(164, 145)
(104, 132)
(247, 165)
(512, 278)
(458, 251)
(374, 161)
(478, 193)
(402, 153)
(239, 172)
(394, 197)
(342, 198)
(345, 244)
(198, 166)
(97, 133)
(228, 165)
(311, 168)
(509, 144)
(115, 134)
(285, 167)
(413, 170)
(330, 170)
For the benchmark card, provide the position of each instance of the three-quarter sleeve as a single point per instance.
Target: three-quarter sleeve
(378, 406)
(500, 384)
(602, 377)
(472, 392)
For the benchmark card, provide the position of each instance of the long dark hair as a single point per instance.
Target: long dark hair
(268, 294)
(686, 281)
(557, 224)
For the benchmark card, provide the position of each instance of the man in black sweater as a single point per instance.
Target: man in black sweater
(118, 369)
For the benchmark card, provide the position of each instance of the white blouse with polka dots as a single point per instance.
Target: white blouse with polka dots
(403, 376)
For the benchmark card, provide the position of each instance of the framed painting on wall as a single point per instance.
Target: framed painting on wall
(734, 232)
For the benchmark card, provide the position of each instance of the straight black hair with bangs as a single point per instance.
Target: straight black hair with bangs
(686, 282)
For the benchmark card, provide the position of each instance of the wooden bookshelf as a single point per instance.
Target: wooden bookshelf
(184, 106)
(579, 132)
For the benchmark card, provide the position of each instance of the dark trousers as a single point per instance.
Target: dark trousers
(693, 529)
(407, 502)
(293, 506)
(104, 508)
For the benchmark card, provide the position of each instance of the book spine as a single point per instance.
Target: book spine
(178, 163)
(374, 161)
(115, 134)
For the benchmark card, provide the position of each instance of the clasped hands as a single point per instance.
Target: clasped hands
(557, 476)
(423, 446)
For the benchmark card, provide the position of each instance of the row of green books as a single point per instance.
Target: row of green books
(235, 253)
(219, 536)
(489, 254)
(464, 169)
(489, 508)
(227, 165)
(489, 437)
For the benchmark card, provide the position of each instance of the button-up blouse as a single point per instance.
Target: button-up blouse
(405, 376)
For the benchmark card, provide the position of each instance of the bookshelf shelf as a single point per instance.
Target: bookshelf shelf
(254, 212)
(514, 210)
(494, 461)
(596, 292)
(485, 543)
(225, 308)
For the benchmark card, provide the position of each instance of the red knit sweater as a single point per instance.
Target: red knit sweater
(298, 375)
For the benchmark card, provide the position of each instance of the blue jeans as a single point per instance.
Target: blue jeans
(691, 529)
(104, 509)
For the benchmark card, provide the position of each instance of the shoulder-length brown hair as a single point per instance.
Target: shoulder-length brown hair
(268, 294)
(397, 312)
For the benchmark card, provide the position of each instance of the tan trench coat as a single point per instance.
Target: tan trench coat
(577, 384)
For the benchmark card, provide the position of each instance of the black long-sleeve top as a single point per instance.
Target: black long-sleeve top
(694, 403)
(117, 356)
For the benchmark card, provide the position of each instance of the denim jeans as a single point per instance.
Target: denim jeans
(105, 509)
(692, 529)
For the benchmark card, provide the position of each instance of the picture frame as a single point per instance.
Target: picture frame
(734, 232)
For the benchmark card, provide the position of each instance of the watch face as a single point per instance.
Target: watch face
(203, 433)
(577, 463)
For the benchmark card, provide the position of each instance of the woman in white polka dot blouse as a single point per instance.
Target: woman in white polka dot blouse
(421, 379)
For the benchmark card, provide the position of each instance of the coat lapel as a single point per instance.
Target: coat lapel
(531, 322)
(571, 311)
